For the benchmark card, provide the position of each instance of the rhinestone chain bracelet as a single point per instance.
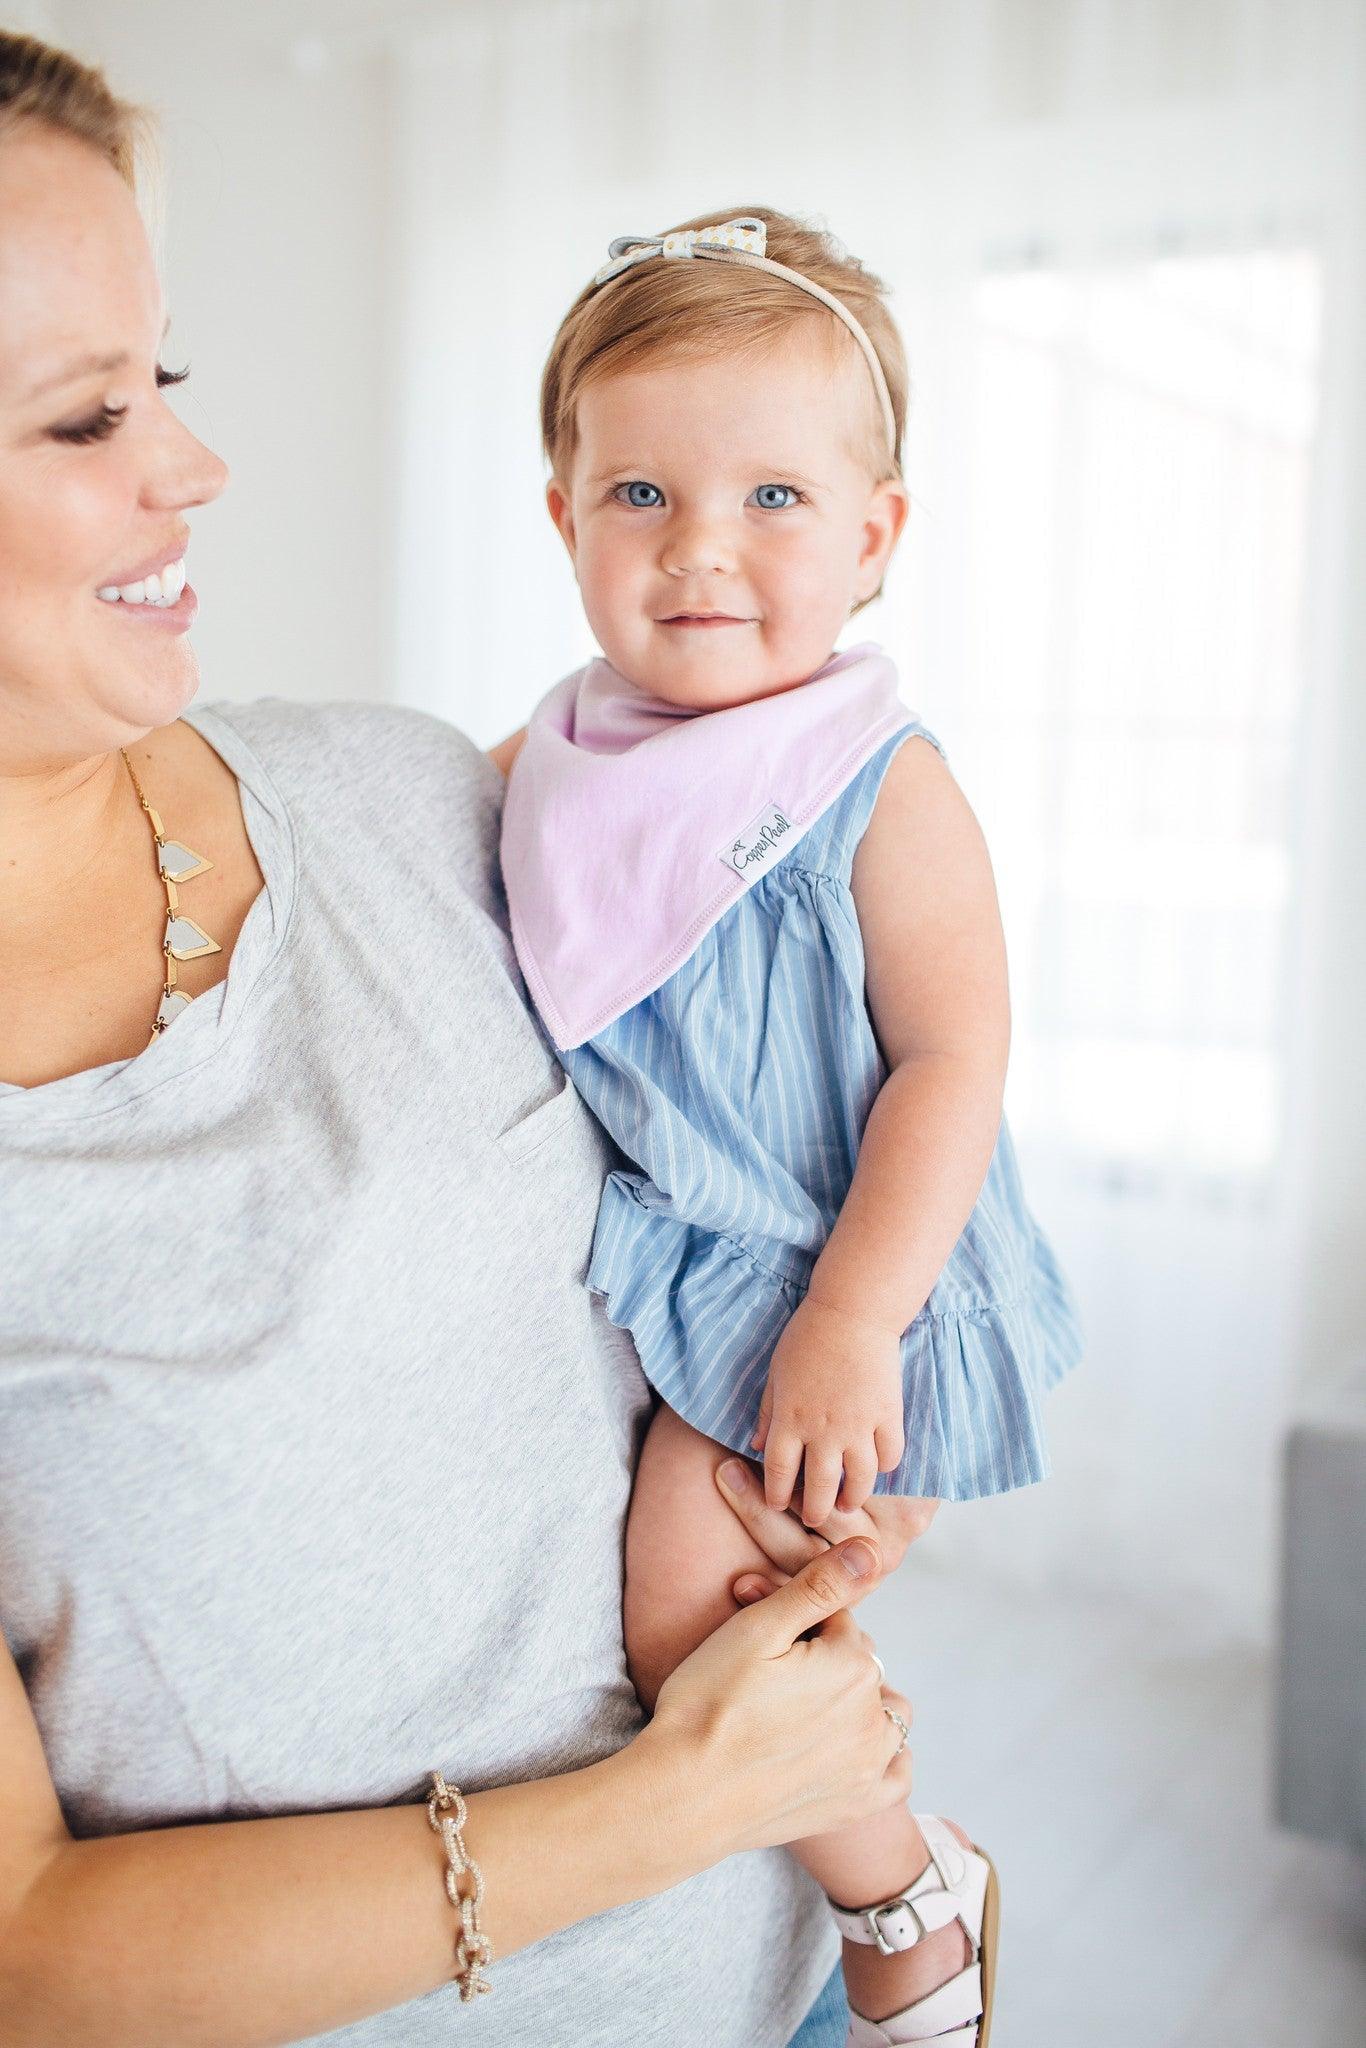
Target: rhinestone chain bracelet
(446, 1815)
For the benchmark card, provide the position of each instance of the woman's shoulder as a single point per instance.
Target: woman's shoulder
(338, 741)
(386, 762)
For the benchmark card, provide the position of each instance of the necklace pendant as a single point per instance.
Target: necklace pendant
(180, 863)
(185, 940)
(170, 1007)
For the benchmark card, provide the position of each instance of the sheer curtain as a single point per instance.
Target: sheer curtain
(1124, 237)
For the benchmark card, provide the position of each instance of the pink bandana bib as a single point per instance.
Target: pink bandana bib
(631, 825)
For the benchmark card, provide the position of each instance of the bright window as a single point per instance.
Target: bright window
(1137, 535)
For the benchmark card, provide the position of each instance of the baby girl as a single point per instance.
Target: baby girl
(758, 919)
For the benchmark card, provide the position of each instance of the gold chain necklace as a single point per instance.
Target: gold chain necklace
(183, 938)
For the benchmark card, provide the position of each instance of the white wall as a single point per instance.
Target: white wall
(275, 263)
(1331, 1161)
(32, 18)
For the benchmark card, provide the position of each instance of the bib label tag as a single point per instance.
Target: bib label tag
(759, 845)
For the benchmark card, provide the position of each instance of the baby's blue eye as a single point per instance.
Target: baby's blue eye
(774, 497)
(645, 497)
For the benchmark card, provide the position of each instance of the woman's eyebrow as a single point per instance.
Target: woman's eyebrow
(83, 366)
(86, 366)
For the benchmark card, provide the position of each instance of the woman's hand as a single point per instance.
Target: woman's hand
(775, 1725)
(892, 1522)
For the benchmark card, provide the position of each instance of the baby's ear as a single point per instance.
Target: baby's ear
(883, 525)
(560, 508)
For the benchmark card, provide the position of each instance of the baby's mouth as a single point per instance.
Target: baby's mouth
(703, 619)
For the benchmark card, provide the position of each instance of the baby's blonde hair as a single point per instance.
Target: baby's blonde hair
(673, 310)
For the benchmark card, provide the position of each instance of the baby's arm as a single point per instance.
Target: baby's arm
(506, 751)
(938, 997)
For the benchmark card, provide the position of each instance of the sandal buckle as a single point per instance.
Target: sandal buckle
(907, 1921)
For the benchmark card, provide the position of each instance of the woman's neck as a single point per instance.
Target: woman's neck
(83, 907)
(57, 826)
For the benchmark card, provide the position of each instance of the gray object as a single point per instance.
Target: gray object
(315, 1451)
(1321, 1764)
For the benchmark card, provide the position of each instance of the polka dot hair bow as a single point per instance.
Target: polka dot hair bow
(746, 234)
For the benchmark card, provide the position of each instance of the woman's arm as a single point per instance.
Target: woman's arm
(937, 993)
(238, 1934)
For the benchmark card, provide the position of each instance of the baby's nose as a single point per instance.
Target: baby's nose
(699, 551)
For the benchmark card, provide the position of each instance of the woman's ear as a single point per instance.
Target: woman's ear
(888, 509)
(561, 511)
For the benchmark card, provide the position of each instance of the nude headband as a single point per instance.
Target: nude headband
(745, 241)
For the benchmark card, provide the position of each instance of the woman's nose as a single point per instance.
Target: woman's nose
(186, 473)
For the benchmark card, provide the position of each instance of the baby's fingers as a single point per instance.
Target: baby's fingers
(822, 1482)
(860, 1476)
(890, 1439)
(782, 1458)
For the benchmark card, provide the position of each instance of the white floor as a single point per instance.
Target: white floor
(1118, 1770)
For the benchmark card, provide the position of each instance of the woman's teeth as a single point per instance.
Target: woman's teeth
(161, 591)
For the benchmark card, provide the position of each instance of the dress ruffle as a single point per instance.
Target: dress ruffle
(706, 1312)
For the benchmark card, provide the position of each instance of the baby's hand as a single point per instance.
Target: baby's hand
(833, 1399)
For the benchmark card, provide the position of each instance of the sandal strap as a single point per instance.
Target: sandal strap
(952, 1886)
(947, 2017)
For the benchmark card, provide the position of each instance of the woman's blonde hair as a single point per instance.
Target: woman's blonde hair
(670, 311)
(40, 83)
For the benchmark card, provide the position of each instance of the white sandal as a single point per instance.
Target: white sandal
(956, 1884)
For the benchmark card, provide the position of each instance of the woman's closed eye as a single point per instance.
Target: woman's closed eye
(101, 424)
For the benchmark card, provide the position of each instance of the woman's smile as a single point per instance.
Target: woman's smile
(155, 589)
(170, 614)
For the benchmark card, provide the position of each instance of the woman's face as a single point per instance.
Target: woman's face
(96, 471)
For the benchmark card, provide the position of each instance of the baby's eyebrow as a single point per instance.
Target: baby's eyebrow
(779, 474)
(758, 472)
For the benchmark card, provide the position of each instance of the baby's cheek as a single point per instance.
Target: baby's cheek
(800, 632)
(610, 589)
(817, 576)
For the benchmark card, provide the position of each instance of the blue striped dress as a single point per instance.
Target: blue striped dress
(739, 1092)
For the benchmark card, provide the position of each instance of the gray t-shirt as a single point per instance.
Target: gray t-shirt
(314, 1450)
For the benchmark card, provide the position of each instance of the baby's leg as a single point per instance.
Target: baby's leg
(684, 1551)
